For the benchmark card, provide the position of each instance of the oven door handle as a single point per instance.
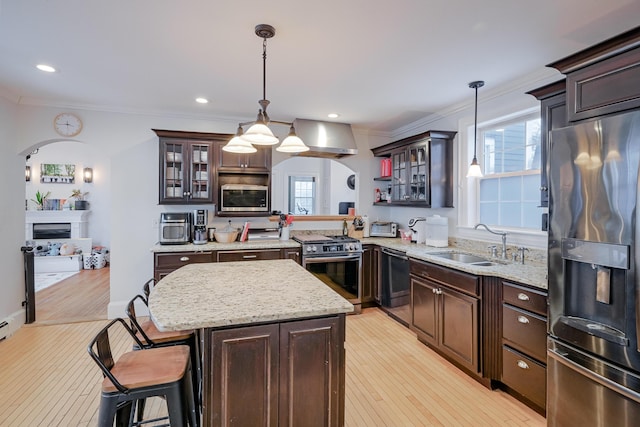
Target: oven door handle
(332, 259)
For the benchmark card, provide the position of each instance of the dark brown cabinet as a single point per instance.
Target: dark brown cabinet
(185, 171)
(247, 255)
(445, 312)
(166, 262)
(187, 167)
(524, 346)
(553, 115)
(370, 267)
(421, 168)
(603, 79)
(291, 373)
(291, 253)
(257, 162)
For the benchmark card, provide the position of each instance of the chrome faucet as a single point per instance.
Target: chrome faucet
(499, 233)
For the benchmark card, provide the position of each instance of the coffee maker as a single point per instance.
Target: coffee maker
(200, 226)
(417, 227)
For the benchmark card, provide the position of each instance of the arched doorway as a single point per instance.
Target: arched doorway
(64, 290)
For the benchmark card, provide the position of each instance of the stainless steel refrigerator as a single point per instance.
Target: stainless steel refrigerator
(593, 363)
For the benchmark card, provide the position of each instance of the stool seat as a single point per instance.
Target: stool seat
(138, 369)
(159, 337)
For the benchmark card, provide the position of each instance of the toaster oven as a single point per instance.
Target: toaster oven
(175, 228)
(383, 229)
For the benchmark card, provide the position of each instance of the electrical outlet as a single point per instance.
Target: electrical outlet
(155, 223)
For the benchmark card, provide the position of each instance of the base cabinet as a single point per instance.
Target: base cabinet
(445, 312)
(166, 262)
(370, 267)
(524, 342)
(287, 374)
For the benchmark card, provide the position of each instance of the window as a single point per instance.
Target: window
(510, 188)
(302, 195)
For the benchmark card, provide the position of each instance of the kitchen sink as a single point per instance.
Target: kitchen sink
(464, 258)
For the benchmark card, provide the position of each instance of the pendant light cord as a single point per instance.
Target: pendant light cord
(264, 69)
(475, 128)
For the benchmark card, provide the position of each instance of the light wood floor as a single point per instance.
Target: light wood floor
(48, 379)
(81, 297)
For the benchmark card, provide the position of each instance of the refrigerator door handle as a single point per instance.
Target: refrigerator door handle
(605, 382)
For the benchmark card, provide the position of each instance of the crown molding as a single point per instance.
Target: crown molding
(522, 85)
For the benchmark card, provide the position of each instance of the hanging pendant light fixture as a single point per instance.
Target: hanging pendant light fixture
(259, 132)
(474, 168)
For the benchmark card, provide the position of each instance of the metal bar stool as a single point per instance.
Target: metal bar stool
(137, 375)
(146, 288)
(150, 337)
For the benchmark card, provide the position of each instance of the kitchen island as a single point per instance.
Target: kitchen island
(272, 339)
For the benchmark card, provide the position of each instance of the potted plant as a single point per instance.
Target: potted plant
(80, 203)
(41, 199)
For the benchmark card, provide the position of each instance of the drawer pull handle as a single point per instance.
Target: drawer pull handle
(522, 364)
(523, 319)
(249, 256)
(523, 297)
(184, 259)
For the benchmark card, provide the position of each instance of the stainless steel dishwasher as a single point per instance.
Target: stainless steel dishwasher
(395, 278)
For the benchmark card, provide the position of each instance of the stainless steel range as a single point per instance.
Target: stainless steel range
(337, 261)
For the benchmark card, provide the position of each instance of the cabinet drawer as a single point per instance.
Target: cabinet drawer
(467, 283)
(524, 375)
(175, 260)
(226, 256)
(526, 331)
(525, 298)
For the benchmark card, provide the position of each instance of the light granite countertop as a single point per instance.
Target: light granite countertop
(533, 272)
(211, 295)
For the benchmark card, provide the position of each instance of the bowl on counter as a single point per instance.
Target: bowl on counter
(225, 236)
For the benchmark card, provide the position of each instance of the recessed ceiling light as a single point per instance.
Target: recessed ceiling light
(202, 100)
(47, 68)
(333, 115)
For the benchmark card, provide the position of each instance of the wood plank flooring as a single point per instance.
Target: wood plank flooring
(81, 297)
(48, 379)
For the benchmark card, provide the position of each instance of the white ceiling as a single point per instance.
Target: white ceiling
(380, 64)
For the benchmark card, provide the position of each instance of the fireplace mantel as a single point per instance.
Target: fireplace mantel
(77, 218)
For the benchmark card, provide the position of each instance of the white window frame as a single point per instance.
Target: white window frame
(469, 188)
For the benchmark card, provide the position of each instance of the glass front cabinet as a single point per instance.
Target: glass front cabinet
(421, 169)
(186, 168)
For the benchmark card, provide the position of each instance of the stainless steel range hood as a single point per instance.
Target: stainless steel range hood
(326, 139)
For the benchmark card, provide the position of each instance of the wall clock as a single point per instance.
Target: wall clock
(67, 124)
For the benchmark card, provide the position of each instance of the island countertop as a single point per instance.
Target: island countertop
(210, 295)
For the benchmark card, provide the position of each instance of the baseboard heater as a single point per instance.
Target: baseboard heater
(4, 331)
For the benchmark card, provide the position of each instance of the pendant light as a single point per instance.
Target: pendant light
(259, 132)
(474, 168)
(239, 145)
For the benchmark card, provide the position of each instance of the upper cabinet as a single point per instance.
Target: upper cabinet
(553, 115)
(421, 170)
(603, 79)
(187, 167)
(258, 162)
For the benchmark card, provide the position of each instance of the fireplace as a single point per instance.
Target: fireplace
(48, 231)
(73, 224)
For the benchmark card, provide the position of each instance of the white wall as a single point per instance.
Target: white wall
(331, 182)
(11, 214)
(126, 154)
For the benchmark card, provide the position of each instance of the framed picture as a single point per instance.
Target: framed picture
(57, 174)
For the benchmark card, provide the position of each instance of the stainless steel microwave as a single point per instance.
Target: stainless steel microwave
(244, 198)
